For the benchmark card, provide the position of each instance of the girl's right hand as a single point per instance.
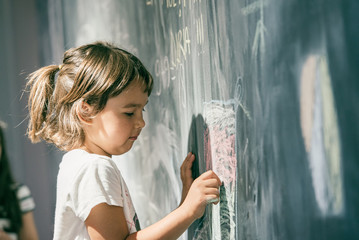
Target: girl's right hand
(204, 190)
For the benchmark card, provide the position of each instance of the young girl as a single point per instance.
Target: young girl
(16, 203)
(93, 110)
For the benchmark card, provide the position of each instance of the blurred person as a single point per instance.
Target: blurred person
(16, 203)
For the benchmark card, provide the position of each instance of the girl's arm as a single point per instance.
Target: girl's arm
(28, 230)
(170, 227)
(108, 222)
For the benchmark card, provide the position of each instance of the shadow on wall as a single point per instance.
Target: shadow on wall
(196, 146)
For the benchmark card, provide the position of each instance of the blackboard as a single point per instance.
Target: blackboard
(264, 92)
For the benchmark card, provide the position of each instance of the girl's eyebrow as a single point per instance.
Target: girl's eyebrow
(134, 105)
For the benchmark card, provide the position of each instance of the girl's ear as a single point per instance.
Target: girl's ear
(84, 112)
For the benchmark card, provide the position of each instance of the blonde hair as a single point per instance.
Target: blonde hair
(91, 73)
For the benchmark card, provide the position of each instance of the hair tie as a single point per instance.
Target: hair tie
(60, 66)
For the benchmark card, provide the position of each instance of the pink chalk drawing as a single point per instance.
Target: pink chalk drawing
(220, 142)
(223, 158)
(220, 156)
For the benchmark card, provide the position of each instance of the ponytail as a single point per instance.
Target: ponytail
(41, 84)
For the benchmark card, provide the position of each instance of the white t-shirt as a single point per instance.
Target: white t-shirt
(84, 181)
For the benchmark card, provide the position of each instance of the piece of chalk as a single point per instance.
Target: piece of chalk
(212, 200)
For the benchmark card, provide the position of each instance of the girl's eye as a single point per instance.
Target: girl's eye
(143, 110)
(129, 114)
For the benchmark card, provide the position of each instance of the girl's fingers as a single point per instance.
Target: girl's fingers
(187, 163)
(189, 159)
(186, 168)
(211, 191)
(211, 183)
(186, 171)
(211, 175)
(189, 155)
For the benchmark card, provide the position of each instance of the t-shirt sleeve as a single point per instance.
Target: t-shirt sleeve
(26, 201)
(97, 182)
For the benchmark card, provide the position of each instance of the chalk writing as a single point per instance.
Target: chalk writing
(259, 36)
(177, 3)
(182, 88)
(180, 46)
(171, 3)
(199, 28)
(162, 72)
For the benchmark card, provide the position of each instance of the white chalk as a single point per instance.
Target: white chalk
(212, 200)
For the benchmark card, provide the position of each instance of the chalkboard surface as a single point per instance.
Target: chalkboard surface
(264, 92)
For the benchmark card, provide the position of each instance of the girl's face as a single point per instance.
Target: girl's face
(114, 130)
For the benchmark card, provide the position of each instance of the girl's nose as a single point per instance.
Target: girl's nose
(141, 122)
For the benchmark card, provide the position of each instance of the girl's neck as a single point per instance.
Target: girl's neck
(87, 149)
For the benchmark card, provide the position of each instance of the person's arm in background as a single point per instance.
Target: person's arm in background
(4, 236)
(28, 230)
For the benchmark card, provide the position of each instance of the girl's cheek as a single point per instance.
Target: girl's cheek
(125, 123)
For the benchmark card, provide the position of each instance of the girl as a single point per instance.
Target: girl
(93, 110)
(16, 203)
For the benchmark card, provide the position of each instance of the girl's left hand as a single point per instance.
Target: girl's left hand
(186, 175)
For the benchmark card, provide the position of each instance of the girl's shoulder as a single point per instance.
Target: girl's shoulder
(79, 157)
(77, 162)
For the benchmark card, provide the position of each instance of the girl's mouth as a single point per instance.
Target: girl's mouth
(133, 138)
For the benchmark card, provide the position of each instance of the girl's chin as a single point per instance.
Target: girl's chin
(124, 149)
